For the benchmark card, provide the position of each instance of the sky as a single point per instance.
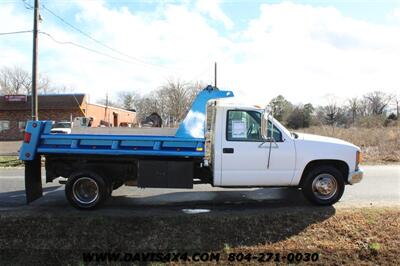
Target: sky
(307, 51)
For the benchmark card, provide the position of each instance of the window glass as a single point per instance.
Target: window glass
(21, 125)
(4, 125)
(275, 132)
(244, 125)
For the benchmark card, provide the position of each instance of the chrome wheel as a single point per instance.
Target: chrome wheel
(324, 186)
(85, 190)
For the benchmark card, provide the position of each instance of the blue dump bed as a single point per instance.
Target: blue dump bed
(187, 142)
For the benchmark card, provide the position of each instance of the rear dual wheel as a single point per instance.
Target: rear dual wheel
(86, 190)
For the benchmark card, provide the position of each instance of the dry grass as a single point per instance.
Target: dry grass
(365, 236)
(10, 161)
(378, 145)
(362, 237)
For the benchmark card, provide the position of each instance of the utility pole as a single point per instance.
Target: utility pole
(107, 116)
(34, 97)
(215, 74)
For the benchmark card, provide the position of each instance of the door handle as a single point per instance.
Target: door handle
(227, 150)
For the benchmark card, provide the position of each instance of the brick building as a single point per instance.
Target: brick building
(15, 110)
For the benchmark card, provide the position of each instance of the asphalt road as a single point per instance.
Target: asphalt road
(380, 187)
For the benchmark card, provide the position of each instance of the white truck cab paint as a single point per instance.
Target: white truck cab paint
(243, 157)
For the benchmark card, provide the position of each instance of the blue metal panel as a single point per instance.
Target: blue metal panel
(193, 126)
(137, 143)
(96, 142)
(188, 144)
(28, 150)
(115, 145)
(120, 152)
(117, 137)
(47, 126)
(56, 142)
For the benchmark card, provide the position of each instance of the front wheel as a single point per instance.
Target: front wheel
(86, 190)
(323, 185)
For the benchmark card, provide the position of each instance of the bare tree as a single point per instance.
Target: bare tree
(353, 105)
(145, 106)
(14, 81)
(363, 107)
(331, 111)
(378, 102)
(397, 102)
(127, 99)
(177, 98)
(171, 101)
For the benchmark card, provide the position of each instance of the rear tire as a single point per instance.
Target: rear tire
(86, 190)
(324, 185)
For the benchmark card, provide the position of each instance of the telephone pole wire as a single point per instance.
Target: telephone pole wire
(34, 98)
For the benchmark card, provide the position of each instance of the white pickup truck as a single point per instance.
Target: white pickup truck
(218, 143)
(249, 148)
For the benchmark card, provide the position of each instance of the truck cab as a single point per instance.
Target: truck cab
(251, 148)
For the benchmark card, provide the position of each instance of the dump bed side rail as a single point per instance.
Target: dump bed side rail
(39, 140)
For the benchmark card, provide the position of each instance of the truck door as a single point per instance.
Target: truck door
(245, 154)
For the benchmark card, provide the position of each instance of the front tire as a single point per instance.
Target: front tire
(324, 185)
(86, 190)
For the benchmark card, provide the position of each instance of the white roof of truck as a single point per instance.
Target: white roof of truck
(233, 102)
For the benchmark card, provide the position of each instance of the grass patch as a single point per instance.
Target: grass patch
(343, 236)
(10, 161)
(378, 145)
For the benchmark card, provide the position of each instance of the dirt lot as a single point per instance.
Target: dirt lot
(364, 236)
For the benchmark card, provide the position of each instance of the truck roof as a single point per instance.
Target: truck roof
(234, 102)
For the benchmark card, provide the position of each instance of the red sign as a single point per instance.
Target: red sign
(15, 98)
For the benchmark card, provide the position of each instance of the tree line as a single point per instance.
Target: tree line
(16, 80)
(173, 99)
(369, 110)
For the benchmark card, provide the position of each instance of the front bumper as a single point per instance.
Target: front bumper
(355, 177)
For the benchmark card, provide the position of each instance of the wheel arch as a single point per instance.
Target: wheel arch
(342, 166)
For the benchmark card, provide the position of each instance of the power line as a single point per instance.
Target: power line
(27, 5)
(15, 32)
(84, 47)
(99, 42)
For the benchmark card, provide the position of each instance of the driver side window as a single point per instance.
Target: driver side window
(243, 125)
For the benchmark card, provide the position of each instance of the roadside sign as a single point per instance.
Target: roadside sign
(15, 98)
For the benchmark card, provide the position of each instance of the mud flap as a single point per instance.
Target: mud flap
(33, 180)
